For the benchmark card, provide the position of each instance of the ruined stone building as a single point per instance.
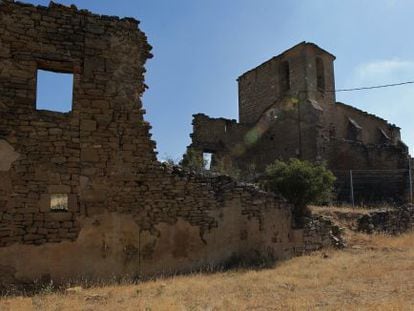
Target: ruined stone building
(287, 109)
(82, 194)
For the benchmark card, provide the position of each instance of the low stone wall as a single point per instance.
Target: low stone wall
(226, 223)
(392, 221)
(194, 222)
(319, 232)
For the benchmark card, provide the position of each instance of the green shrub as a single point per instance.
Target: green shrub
(169, 160)
(193, 160)
(221, 167)
(301, 183)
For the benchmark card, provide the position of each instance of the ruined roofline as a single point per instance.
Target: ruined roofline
(87, 18)
(281, 55)
(203, 115)
(127, 22)
(372, 146)
(367, 114)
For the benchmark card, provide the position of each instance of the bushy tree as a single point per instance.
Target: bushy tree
(169, 160)
(193, 160)
(301, 183)
(225, 168)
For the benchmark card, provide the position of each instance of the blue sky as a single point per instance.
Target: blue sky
(201, 47)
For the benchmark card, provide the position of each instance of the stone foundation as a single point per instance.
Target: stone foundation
(391, 221)
(320, 232)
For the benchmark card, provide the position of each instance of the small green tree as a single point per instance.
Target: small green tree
(220, 166)
(193, 160)
(301, 183)
(169, 160)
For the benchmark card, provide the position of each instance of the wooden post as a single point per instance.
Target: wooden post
(410, 176)
(352, 188)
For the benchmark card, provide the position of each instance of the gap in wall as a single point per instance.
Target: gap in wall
(54, 91)
(207, 156)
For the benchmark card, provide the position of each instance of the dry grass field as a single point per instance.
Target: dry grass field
(376, 272)
(373, 273)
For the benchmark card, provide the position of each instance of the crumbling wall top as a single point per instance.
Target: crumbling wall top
(127, 22)
(366, 114)
(301, 45)
(199, 116)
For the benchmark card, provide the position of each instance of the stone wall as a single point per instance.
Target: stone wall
(262, 86)
(126, 214)
(391, 221)
(293, 133)
(320, 232)
(304, 122)
(187, 222)
(217, 135)
(339, 116)
(306, 132)
(82, 153)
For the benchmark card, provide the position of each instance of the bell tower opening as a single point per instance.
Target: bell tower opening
(320, 75)
(284, 76)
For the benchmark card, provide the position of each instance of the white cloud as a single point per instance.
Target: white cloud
(391, 3)
(384, 71)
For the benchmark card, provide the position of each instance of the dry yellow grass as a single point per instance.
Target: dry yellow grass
(328, 210)
(376, 273)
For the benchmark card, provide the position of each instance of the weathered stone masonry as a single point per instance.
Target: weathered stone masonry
(127, 215)
(287, 109)
(85, 150)
(391, 221)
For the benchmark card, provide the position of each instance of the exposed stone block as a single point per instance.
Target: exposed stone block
(88, 125)
(59, 189)
(89, 155)
(59, 217)
(7, 155)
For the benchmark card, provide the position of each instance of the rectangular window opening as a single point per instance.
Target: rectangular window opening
(59, 202)
(207, 157)
(54, 91)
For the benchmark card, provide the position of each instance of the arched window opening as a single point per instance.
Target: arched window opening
(207, 160)
(354, 130)
(320, 75)
(284, 74)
